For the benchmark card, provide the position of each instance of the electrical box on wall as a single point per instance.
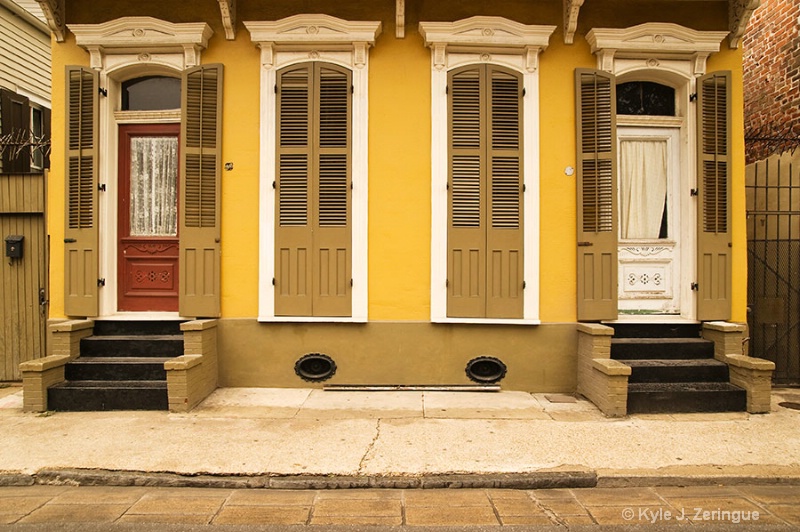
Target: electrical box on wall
(14, 246)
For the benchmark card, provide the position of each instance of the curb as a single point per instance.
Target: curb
(103, 477)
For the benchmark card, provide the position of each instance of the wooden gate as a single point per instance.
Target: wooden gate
(773, 269)
(23, 280)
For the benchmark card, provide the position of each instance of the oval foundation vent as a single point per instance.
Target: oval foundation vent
(486, 370)
(315, 367)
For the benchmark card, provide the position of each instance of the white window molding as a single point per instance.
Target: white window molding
(297, 39)
(148, 39)
(119, 50)
(517, 46)
(654, 42)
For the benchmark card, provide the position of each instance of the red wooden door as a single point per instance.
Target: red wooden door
(148, 217)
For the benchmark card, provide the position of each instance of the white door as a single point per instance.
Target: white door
(650, 243)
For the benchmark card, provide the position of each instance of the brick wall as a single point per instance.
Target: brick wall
(772, 76)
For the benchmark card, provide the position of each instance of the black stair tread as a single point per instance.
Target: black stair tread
(660, 341)
(666, 362)
(135, 337)
(120, 360)
(111, 384)
(677, 387)
(137, 327)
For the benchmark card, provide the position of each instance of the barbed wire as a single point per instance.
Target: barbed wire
(23, 141)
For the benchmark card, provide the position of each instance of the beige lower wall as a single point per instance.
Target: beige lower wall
(540, 358)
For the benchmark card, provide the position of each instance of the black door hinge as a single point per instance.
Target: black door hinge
(276, 89)
(101, 187)
(523, 92)
(694, 192)
(352, 89)
(524, 285)
(274, 282)
(102, 91)
(693, 97)
(695, 287)
(101, 282)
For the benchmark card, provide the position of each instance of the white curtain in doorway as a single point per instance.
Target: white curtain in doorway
(642, 187)
(154, 186)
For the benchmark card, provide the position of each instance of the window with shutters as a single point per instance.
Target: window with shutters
(485, 169)
(485, 213)
(312, 226)
(313, 181)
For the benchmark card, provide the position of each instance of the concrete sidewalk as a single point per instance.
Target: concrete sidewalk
(303, 438)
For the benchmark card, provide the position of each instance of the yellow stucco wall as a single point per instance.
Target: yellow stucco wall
(399, 146)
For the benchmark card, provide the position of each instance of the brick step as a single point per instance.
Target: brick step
(135, 328)
(167, 345)
(116, 369)
(661, 348)
(653, 398)
(678, 370)
(656, 330)
(90, 396)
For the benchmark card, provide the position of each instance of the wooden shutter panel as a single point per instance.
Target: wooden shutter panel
(504, 235)
(313, 224)
(331, 220)
(293, 235)
(81, 229)
(597, 194)
(466, 234)
(15, 116)
(199, 202)
(714, 163)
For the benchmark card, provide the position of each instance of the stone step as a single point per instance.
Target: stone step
(656, 330)
(678, 370)
(116, 369)
(167, 345)
(653, 398)
(661, 348)
(89, 396)
(136, 328)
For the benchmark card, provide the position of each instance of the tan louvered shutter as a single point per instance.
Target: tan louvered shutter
(714, 163)
(313, 227)
(81, 229)
(504, 235)
(485, 237)
(466, 233)
(199, 202)
(597, 194)
(15, 119)
(332, 227)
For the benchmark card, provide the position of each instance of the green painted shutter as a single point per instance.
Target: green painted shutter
(714, 164)
(199, 202)
(485, 236)
(313, 228)
(81, 229)
(597, 194)
(15, 117)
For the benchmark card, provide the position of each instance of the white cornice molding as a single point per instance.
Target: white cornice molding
(143, 36)
(571, 10)
(487, 34)
(53, 11)
(654, 41)
(739, 13)
(227, 9)
(321, 32)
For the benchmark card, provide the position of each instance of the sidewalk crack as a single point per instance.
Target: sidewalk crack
(371, 446)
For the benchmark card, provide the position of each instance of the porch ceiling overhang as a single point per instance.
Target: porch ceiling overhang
(739, 13)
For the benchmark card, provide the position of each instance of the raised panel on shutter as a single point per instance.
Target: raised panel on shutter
(595, 93)
(199, 202)
(81, 229)
(713, 234)
(504, 234)
(331, 206)
(466, 233)
(294, 216)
